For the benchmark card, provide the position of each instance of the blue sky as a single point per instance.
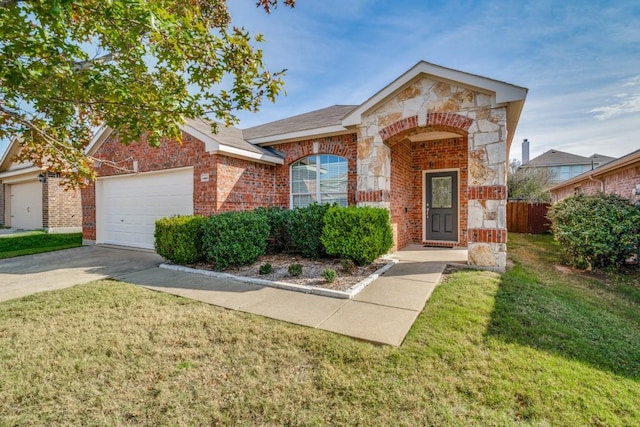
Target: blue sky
(580, 60)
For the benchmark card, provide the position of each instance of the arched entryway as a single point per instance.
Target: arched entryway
(429, 180)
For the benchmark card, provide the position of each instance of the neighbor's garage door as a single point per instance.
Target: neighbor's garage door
(26, 205)
(127, 206)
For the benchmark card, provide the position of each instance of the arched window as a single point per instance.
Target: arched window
(319, 178)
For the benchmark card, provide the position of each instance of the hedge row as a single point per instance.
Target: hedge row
(237, 238)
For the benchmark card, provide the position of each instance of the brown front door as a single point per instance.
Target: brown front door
(441, 206)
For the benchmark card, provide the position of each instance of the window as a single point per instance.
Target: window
(319, 178)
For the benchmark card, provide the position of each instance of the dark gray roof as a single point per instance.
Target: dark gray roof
(329, 116)
(558, 158)
(227, 135)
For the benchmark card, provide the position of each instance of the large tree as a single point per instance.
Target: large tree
(139, 67)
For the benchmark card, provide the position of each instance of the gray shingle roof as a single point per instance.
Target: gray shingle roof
(556, 158)
(329, 116)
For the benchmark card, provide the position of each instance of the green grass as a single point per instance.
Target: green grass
(35, 242)
(531, 347)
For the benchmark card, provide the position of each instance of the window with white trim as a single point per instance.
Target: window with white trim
(319, 178)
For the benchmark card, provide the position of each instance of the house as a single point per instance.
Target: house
(432, 147)
(34, 199)
(562, 165)
(621, 176)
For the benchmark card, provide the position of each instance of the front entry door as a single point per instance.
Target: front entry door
(441, 209)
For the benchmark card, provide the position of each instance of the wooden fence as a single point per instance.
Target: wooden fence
(525, 217)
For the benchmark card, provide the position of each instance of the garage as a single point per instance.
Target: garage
(127, 206)
(25, 205)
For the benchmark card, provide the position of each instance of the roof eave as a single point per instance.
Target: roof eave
(19, 174)
(302, 134)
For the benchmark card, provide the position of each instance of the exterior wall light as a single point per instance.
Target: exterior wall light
(42, 178)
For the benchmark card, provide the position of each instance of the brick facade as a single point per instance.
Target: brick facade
(409, 161)
(426, 121)
(621, 181)
(341, 145)
(2, 205)
(61, 207)
(234, 184)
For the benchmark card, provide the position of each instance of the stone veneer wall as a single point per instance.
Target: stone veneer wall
(427, 103)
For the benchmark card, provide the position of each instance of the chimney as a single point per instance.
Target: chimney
(525, 151)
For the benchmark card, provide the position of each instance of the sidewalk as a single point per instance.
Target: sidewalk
(382, 313)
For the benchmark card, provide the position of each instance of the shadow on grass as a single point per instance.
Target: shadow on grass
(567, 321)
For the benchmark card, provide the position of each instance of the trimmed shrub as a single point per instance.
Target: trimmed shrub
(234, 238)
(295, 269)
(329, 275)
(278, 219)
(361, 234)
(598, 231)
(305, 228)
(179, 238)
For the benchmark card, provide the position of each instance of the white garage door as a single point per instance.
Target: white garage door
(26, 205)
(127, 206)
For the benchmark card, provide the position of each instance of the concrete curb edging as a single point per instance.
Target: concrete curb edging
(348, 294)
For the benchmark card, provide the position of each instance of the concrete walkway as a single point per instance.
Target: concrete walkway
(382, 313)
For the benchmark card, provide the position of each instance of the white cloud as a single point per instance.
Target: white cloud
(625, 103)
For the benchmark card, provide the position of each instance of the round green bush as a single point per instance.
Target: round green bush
(234, 238)
(179, 238)
(361, 234)
(596, 232)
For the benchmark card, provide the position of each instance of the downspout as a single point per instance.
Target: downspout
(598, 180)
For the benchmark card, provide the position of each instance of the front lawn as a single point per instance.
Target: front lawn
(534, 346)
(34, 242)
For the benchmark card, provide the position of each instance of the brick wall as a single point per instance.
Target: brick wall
(234, 184)
(408, 162)
(2, 207)
(61, 208)
(342, 145)
(622, 182)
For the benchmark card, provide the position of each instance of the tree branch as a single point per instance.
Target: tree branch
(85, 65)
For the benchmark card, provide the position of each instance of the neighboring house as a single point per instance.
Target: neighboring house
(33, 199)
(431, 147)
(621, 176)
(564, 166)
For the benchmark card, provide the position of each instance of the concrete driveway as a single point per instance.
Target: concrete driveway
(26, 275)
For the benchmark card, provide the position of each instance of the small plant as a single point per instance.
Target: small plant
(265, 269)
(295, 269)
(348, 266)
(329, 275)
